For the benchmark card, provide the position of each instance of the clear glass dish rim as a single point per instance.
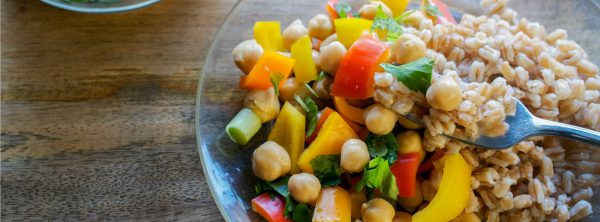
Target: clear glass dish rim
(208, 176)
(100, 10)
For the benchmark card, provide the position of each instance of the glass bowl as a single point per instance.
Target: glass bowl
(100, 6)
(226, 165)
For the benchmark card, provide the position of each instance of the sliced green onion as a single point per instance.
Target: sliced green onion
(301, 103)
(243, 126)
(310, 89)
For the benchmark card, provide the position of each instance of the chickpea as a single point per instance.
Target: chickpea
(246, 54)
(408, 48)
(377, 210)
(292, 33)
(320, 26)
(410, 142)
(288, 88)
(315, 56)
(380, 120)
(264, 103)
(444, 94)
(408, 124)
(304, 188)
(402, 217)
(354, 156)
(413, 202)
(357, 199)
(368, 11)
(414, 18)
(328, 40)
(323, 87)
(330, 56)
(270, 161)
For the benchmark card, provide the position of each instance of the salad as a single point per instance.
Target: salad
(336, 92)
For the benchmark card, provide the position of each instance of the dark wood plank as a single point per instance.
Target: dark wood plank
(97, 112)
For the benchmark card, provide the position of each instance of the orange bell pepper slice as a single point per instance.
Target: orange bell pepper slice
(271, 210)
(333, 205)
(332, 135)
(323, 115)
(349, 111)
(269, 62)
(354, 76)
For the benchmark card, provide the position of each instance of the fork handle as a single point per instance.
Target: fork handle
(547, 127)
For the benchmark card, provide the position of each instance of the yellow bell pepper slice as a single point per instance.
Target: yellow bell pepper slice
(288, 132)
(304, 68)
(333, 205)
(410, 142)
(396, 6)
(453, 195)
(332, 135)
(351, 29)
(268, 35)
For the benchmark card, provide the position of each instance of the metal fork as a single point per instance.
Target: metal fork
(524, 125)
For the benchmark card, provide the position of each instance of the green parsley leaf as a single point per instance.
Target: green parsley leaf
(311, 115)
(302, 213)
(383, 146)
(327, 169)
(416, 75)
(377, 175)
(342, 9)
(383, 22)
(276, 78)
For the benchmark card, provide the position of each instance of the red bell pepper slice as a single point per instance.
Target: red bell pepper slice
(428, 164)
(354, 77)
(446, 15)
(405, 171)
(271, 210)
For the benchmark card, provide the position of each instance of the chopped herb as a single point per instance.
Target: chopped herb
(298, 212)
(311, 115)
(416, 75)
(377, 175)
(327, 169)
(322, 75)
(383, 22)
(356, 15)
(342, 9)
(275, 80)
(431, 9)
(383, 146)
(302, 213)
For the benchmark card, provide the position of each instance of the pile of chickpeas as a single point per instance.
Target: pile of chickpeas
(271, 161)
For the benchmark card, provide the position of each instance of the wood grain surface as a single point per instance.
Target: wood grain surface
(97, 112)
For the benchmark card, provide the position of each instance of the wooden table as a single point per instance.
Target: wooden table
(97, 112)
